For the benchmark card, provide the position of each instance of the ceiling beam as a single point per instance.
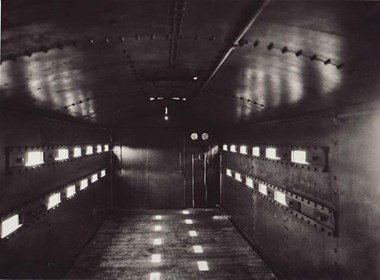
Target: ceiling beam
(242, 31)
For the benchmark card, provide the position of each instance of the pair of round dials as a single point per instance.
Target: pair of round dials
(194, 136)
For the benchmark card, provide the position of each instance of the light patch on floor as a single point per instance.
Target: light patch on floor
(157, 228)
(158, 217)
(202, 266)
(156, 258)
(188, 221)
(185, 212)
(198, 249)
(193, 233)
(155, 276)
(157, 241)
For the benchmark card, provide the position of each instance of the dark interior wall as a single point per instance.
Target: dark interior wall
(153, 168)
(49, 240)
(148, 171)
(349, 186)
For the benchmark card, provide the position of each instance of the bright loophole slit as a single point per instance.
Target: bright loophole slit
(188, 221)
(193, 233)
(157, 228)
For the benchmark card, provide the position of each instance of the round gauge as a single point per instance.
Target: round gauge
(194, 136)
(204, 136)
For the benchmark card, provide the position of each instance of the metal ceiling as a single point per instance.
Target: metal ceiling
(101, 61)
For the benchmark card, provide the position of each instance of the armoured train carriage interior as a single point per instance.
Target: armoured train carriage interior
(190, 139)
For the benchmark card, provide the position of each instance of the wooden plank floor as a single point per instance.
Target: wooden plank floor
(124, 247)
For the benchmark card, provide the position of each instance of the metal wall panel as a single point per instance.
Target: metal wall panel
(46, 246)
(300, 250)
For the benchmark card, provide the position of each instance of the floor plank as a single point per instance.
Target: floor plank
(123, 248)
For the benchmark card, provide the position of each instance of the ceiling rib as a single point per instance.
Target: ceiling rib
(242, 31)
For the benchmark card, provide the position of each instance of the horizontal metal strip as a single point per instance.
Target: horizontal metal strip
(33, 210)
(305, 157)
(30, 158)
(305, 209)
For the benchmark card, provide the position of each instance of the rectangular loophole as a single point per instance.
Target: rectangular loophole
(243, 150)
(10, 225)
(256, 151)
(185, 212)
(62, 154)
(54, 200)
(103, 173)
(225, 147)
(193, 233)
(238, 177)
(299, 157)
(83, 184)
(77, 152)
(157, 228)
(263, 189)
(229, 172)
(280, 197)
(99, 148)
(106, 148)
(89, 150)
(188, 221)
(249, 182)
(233, 148)
(94, 178)
(271, 153)
(34, 158)
(202, 265)
(70, 191)
(158, 217)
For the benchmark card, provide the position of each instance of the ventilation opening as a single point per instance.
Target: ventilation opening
(225, 147)
(271, 153)
(10, 225)
(99, 149)
(243, 150)
(70, 191)
(238, 177)
(229, 172)
(263, 189)
(249, 182)
(89, 150)
(54, 200)
(256, 151)
(299, 157)
(77, 152)
(62, 154)
(34, 158)
(280, 197)
(94, 178)
(233, 148)
(83, 184)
